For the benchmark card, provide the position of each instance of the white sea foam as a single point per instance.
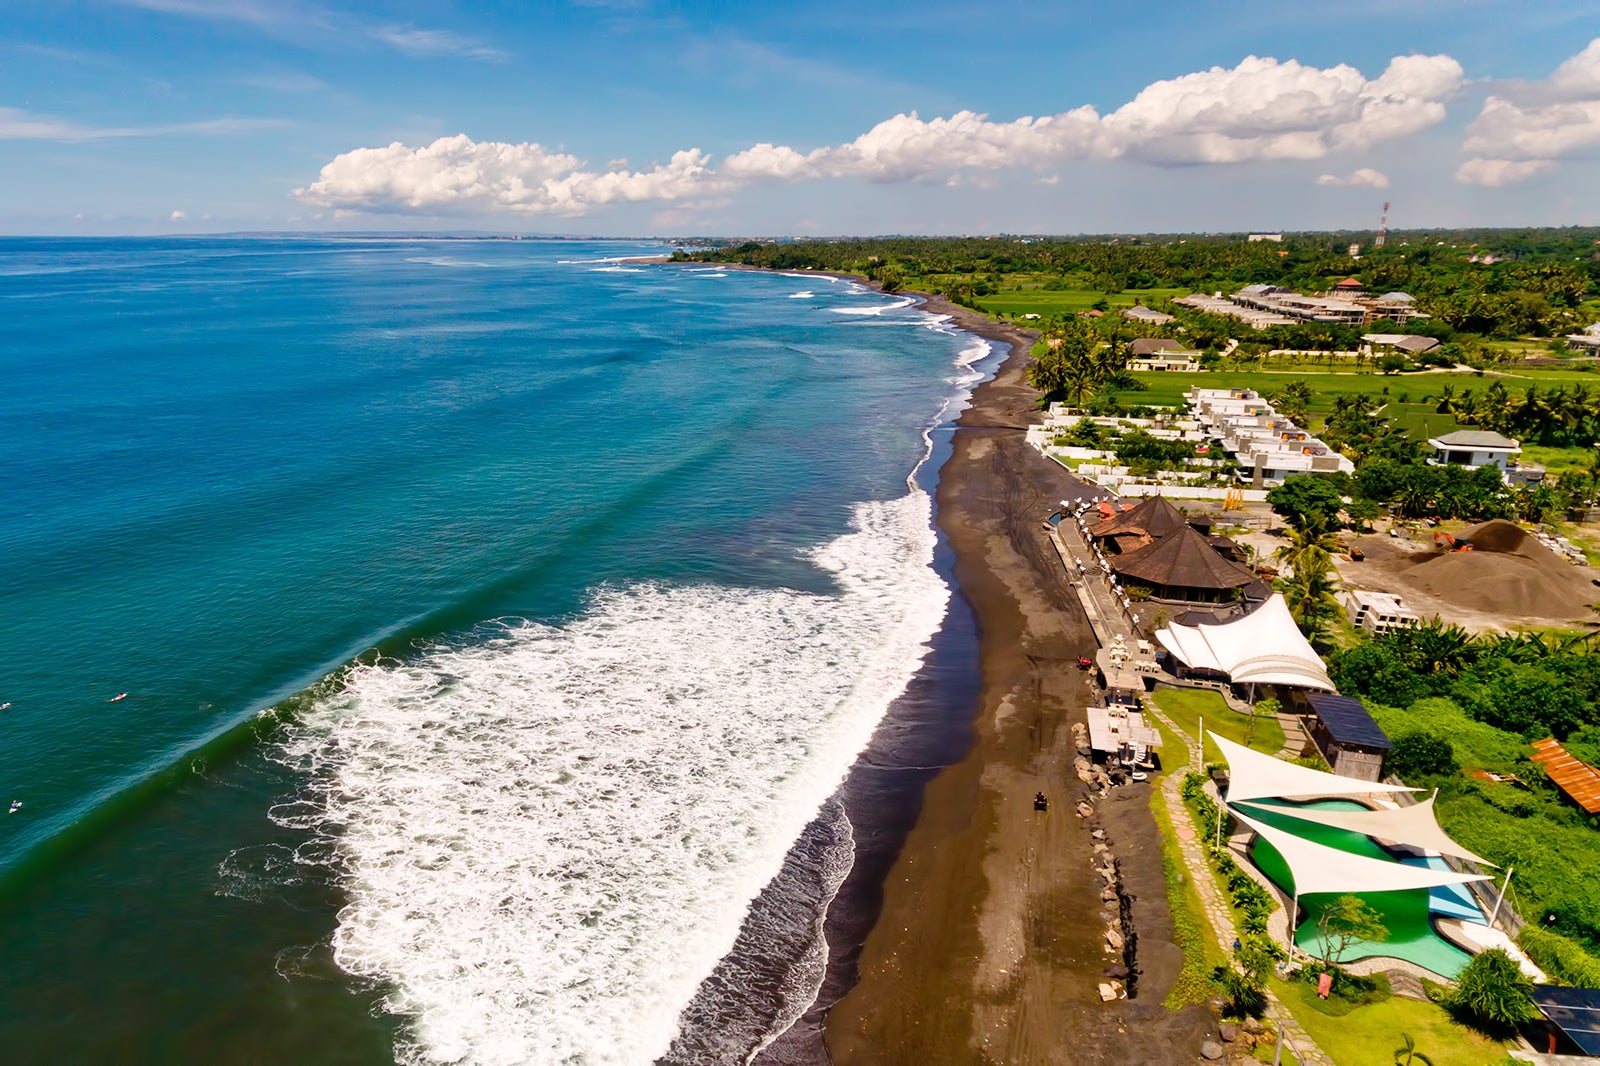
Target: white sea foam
(803, 294)
(809, 277)
(550, 837)
(877, 310)
(446, 261)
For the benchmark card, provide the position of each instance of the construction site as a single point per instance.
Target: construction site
(1491, 577)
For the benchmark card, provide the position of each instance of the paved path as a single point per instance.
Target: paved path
(1218, 911)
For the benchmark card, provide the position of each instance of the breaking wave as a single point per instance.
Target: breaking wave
(549, 837)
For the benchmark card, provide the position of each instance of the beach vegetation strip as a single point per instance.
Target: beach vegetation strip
(1201, 956)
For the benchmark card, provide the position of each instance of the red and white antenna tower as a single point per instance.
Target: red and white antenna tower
(1383, 227)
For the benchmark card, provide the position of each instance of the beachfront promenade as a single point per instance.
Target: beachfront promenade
(1111, 620)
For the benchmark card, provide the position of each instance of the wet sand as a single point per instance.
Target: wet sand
(989, 945)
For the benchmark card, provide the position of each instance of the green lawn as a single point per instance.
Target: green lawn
(1372, 1033)
(1186, 706)
(1557, 460)
(1420, 420)
(1166, 388)
(1049, 302)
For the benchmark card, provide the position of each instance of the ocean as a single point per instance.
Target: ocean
(446, 650)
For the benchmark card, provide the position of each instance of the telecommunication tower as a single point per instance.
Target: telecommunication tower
(1383, 227)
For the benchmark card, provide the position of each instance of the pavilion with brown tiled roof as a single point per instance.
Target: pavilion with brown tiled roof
(1579, 780)
(1184, 566)
(1131, 530)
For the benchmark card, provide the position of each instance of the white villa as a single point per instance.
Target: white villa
(1269, 446)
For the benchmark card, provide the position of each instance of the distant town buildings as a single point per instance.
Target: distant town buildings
(1252, 238)
(1269, 446)
(1140, 313)
(1347, 303)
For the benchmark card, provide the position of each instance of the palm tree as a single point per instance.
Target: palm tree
(1408, 1055)
(1308, 592)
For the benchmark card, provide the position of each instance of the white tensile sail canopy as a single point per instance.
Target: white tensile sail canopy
(1319, 868)
(1264, 647)
(1414, 826)
(1252, 775)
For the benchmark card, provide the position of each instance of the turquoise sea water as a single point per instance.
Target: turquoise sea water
(639, 557)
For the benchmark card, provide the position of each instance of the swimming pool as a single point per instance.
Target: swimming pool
(1407, 914)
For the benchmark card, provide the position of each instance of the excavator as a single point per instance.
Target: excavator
(1450, 543)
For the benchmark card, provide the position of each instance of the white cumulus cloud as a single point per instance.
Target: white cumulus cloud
(1365, 176)
(1497, 173)
(177, 216)
(1260, 110)
(1527, 128)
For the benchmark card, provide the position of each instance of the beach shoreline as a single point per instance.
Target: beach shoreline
(985, 942)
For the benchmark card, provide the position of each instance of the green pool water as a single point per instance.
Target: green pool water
(1406, 914)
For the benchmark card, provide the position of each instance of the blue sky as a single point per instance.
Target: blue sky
(629, 116)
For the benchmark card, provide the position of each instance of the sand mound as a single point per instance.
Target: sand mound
(1507, 572)
(1508, 538)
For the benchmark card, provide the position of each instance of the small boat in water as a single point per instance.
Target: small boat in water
(118, 696)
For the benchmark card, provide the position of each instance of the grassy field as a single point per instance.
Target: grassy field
(1557, 460)
(1371, 1034)
(1164, 388)
(1186, 706)
(1420, 420)
(1048, 302)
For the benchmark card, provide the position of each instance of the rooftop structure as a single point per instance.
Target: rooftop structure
(1254, 237)
(1216, 305)
(1264, 647)
(1347, 736)
(1144, 346)
(1184, 566)
(1263, 305)
(1579, 780)
(1378, 612)
(1589, 338)
(1270, 446)
(1575, 1011)
(1474, 448)
(1161, 353)
(1139, 313)
(1401, 342)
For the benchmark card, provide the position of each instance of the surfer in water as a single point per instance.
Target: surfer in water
(118, 696)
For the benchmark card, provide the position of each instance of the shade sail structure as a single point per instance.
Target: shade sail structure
(1319, 868)
(1415, 826)
(1264, 647)
(1254, 776)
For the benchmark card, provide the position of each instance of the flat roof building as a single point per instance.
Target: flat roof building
(1348, 738)
(1378, 612)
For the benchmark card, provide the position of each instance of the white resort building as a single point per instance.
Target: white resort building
(1269, 446)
